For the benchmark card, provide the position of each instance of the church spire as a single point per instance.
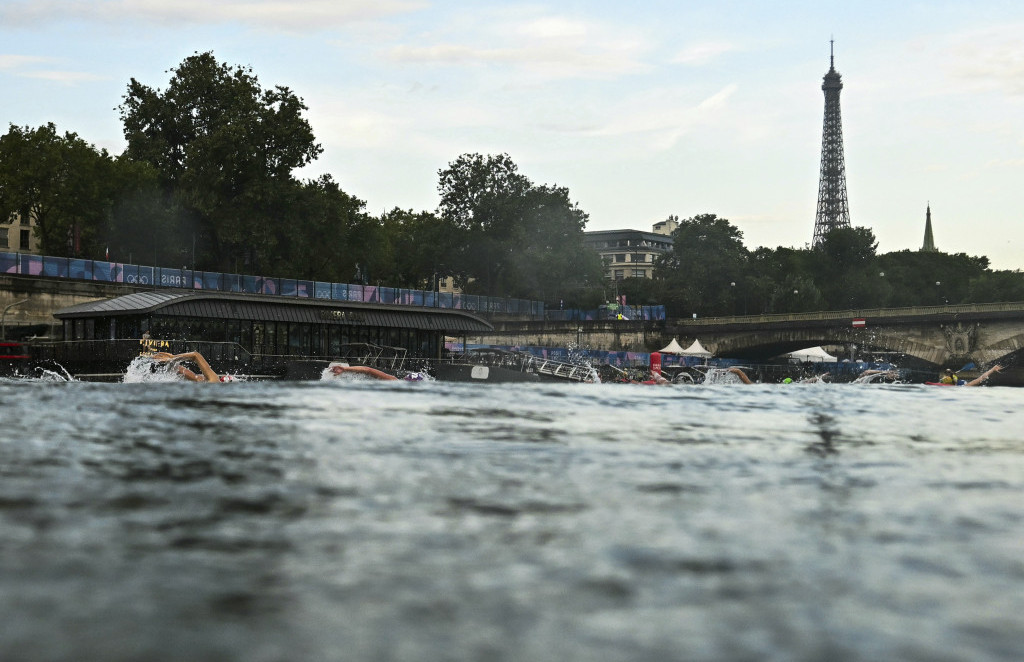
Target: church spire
(929, 239)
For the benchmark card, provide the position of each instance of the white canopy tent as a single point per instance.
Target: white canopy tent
(696, 349)
(811, 354)
(672, 348)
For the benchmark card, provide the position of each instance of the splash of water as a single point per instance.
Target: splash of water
(54, 376)
(144, 369)
(720, 376)
(882, 377)
(579, 356)
(41, 374)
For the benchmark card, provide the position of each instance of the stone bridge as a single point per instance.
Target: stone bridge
(948, 335)
(930, 336)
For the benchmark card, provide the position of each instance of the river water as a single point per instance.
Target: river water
(359, 520)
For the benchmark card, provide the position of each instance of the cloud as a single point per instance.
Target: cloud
(22, 66)
(547, 61)
(666, 120)
(700, 54)
(21, 61)
(547, 47)
(68, 77)
(1005, 163)
(988, 60)
(286, 14)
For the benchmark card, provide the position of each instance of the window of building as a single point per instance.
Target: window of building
(620, 257)
(4, 242)
(618, 274)
(639, 273)
(25, 236)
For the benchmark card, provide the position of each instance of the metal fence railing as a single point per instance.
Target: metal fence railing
(866, 313)
(131, 274)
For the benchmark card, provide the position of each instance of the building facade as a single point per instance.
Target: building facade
(18, 235)
(631, 253)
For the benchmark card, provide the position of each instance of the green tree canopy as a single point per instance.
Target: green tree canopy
(227, 148)
(515, 238)
(707, 257)
(63, 182)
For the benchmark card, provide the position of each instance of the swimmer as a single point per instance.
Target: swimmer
(742, 375)
(338, 369)
(207, 373)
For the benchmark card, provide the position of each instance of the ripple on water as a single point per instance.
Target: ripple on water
(461, 521)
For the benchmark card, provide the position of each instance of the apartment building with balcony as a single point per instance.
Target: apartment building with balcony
(631, 253)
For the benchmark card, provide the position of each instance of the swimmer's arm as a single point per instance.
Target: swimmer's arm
(204, 367)
(208, 374)
(742, 375)
(980, 379)
(367, 370)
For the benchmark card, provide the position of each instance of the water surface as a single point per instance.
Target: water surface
(433, 521)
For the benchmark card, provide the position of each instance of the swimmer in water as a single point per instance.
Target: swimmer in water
(207, 373)
(742, 375)
(338, 369)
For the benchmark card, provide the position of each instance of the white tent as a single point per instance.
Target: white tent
(812, 354)
(672, 348)
(696, 349)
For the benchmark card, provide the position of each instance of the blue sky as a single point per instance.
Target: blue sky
(641, 111)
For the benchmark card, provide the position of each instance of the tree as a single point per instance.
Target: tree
(846, 269)
(707, 256)
(421, 248)
(997, 286)
(145, 226)
(225, 146)
(480, 198)
(62, 181)
(930, 278)
(316, 238)
(515, 238)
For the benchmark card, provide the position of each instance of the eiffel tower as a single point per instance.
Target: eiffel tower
(833, 209)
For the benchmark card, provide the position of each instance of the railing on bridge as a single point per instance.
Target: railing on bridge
(867, 313)
(116, 272)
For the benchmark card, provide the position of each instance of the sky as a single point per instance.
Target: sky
(641, 110)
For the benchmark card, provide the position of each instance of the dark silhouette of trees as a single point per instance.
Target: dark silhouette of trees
(225, 148)
(514, 238)
(709, 272)
(64, 183)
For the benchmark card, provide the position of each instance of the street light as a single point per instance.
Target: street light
(3, 318)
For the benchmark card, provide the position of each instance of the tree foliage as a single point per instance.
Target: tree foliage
(227, 148)
(515, 238)
(63, 182)
(707, 256)
(709, 270)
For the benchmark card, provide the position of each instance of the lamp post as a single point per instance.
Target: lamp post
(3, 318)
